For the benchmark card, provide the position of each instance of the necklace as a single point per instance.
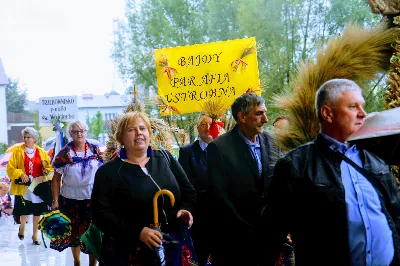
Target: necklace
(86, 148)
(28, 152)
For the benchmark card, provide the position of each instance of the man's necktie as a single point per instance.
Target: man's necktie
(258, 160)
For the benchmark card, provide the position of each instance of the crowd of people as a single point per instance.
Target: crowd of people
(239, 198)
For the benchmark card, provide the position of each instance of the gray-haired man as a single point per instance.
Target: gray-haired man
(240, 165)
(340, 203)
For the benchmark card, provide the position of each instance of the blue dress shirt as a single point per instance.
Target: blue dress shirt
(370, 237)
(203, 144)
(255, 150)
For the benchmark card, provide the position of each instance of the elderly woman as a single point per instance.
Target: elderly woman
(123, 194)
(27, 162)
(76, 164)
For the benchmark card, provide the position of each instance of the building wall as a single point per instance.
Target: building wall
(3, 115)
(14, 132)
(108, 112)
(47, 132)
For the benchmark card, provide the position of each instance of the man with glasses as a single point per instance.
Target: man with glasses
(77, 164)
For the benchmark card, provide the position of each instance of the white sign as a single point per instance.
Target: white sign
(60, 109)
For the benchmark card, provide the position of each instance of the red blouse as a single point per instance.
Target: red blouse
(33, 166)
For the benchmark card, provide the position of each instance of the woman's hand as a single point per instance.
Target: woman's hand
(8, 211)
(24, 178)
(186, 217)
(54, 205)
(152, 238)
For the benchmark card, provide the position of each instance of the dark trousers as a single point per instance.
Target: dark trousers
(201, 242)
(235, 257)
(232, 249)
(200, 230)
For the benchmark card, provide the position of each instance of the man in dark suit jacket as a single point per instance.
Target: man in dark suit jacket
(240, 168)
(193, 158)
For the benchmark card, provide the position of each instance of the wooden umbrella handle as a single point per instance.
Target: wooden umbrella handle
(155, 204)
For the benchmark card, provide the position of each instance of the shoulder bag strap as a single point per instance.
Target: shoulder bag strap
(165, 155)
(380, 189)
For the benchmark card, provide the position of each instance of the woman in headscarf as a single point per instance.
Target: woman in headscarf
(122, 198)
(76, 164)
(27, 162)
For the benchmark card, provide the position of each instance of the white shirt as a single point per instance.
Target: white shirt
(74, 184)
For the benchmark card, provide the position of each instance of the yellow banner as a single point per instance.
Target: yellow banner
(189, 75)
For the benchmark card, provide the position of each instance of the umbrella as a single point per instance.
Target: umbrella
(93, 239)
(3, 173)
(13, 147)
(155, 205)
(169, 249)
(4, 159)
(54, 225)
(380, 135)
(93, 236)
(41, 187)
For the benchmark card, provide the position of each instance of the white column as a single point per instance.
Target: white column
(3, 115)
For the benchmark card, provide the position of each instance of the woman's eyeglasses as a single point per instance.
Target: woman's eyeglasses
(77, 132)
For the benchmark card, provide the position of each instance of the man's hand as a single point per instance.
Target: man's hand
(186, 217)
(289, 239)
(152, 238)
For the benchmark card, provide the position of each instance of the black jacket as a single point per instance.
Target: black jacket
(122, 197)
(194, 161)
(235, 189)
(307, 199)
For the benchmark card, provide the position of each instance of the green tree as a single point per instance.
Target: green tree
(3, 148)
(96, 125)
(288, 32)
(156, 24)
(16, 98)
(374, 96)
(88, 120)
(37, 127)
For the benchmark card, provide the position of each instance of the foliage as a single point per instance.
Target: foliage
(16, 98)
(288, 32)
(3, 148)
(96, 124)
(88, 120)
(392, 95)
(375, 96)
(37, 127)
